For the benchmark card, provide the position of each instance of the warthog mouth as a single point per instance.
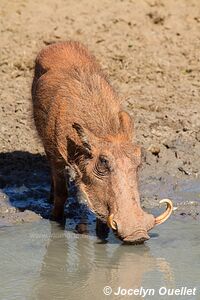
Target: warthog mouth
(134, 243)
(137, 238)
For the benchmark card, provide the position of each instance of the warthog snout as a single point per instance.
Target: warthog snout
(138, 237)
(134, 231)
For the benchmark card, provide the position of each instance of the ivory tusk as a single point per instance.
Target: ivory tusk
(164, 216)
(111, 223)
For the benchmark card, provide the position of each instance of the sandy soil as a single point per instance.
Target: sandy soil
(150, 49)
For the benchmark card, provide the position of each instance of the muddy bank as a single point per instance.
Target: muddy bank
(150, 50)
(10, 215)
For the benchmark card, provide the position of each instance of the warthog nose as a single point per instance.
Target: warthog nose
(138, 237)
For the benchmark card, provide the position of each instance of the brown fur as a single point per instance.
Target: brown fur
(79, 119)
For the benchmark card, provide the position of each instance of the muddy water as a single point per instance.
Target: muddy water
(43, 261)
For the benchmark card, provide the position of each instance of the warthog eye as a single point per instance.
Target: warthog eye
(102, 166)
(104, 161)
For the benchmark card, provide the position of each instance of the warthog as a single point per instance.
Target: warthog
(80, 120)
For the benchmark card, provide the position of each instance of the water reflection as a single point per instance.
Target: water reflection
(76, 265)
(43, 261)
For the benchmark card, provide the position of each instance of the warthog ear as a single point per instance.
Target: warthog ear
(83, 137)
(126, 124)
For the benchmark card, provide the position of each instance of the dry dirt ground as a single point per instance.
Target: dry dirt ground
(150, 50)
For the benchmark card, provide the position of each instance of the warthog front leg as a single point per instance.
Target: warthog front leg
(59, 190)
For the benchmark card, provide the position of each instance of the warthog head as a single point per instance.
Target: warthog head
(108, 171)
